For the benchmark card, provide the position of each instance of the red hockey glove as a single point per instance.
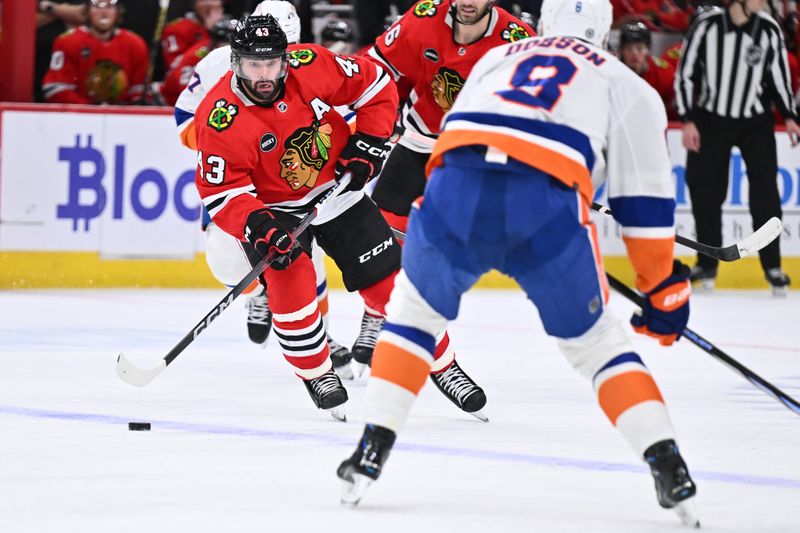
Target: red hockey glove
(363, 157)
(665, 312)
(265, 233)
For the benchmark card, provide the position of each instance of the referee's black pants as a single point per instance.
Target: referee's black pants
(707, 177)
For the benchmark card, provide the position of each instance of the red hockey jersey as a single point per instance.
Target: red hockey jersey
(86, 70)
(661, 77)
(179, 75)
(283, 155)
(420, 47)
(180, 35)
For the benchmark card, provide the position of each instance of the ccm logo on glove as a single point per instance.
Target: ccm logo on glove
(374, 151)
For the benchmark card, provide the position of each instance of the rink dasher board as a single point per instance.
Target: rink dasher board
(105, 196)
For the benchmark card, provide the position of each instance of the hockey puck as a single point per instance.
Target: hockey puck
(139, 426)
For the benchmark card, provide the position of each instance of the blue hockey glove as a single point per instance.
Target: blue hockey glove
(665, 312)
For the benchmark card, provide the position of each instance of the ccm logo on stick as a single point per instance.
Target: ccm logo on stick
(372, 150)
(363, 258)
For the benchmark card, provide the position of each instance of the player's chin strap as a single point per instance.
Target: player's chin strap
(140, 377)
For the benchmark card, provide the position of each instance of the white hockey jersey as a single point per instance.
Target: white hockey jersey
(206, 74)
(577, 113)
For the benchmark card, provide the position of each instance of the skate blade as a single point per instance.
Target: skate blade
(480, 415)
(353, 491)
(338, 413)
(780, 292)
(359, 369)
(687, 512)
(705, 286)
(345, 371)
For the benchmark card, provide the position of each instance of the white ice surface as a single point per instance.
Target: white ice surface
(237, 445)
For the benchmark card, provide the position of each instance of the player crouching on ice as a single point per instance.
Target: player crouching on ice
(575, 112)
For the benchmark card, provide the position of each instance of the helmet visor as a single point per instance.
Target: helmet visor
(259, 67)
(262, 75)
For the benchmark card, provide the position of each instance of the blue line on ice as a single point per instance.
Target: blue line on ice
(508, 457)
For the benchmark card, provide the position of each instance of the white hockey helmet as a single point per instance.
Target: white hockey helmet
(286, 15)
(589, 20)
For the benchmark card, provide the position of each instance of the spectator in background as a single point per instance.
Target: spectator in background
(338, 37)
(53, 17)
(664, 15)
(673, 54)
(193, 28)
(634, 52)
(178, 77)
(739, 83)
(97, 63)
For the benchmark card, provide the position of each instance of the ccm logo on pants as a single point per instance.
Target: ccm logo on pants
(363, 258)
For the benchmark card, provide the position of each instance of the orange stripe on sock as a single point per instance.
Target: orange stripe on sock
(250, 288)
(322, 303)
(618, 394)
(399, 367)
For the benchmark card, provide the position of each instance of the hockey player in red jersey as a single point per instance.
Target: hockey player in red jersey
(269, 144)
(186, 32)
(181, 73)
(634, 51)
(97, 63)
(432, 49)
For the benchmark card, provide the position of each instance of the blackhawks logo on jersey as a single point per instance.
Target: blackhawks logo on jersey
(106, 82)
(426, 8)
(299, 58)
(307, 151)
(221, 117)
(514, 32)
(446, 85)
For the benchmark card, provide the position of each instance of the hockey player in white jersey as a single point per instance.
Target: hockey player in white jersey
(224, 254)
(537, 126)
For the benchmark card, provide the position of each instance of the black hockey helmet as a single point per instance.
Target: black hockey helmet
(255, 45)
(258, 37)
(338, 30)
(634, 32)
(222, 30)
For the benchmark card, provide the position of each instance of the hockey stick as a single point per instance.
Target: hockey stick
(712, 350)
(140, 377)
(155, 45)
(748, 246)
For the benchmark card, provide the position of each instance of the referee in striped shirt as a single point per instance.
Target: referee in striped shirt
(732, 69)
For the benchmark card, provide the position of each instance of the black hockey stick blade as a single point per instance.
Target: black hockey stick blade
(140, 377)
(751, 244)
(714, 351)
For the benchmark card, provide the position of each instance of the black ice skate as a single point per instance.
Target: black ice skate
(674, 488)
(340, 357)
(365, 342)
(259, 317)
(459, 388)
(328, 393)
(703, 278)
(364, 466)
(779, 281)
